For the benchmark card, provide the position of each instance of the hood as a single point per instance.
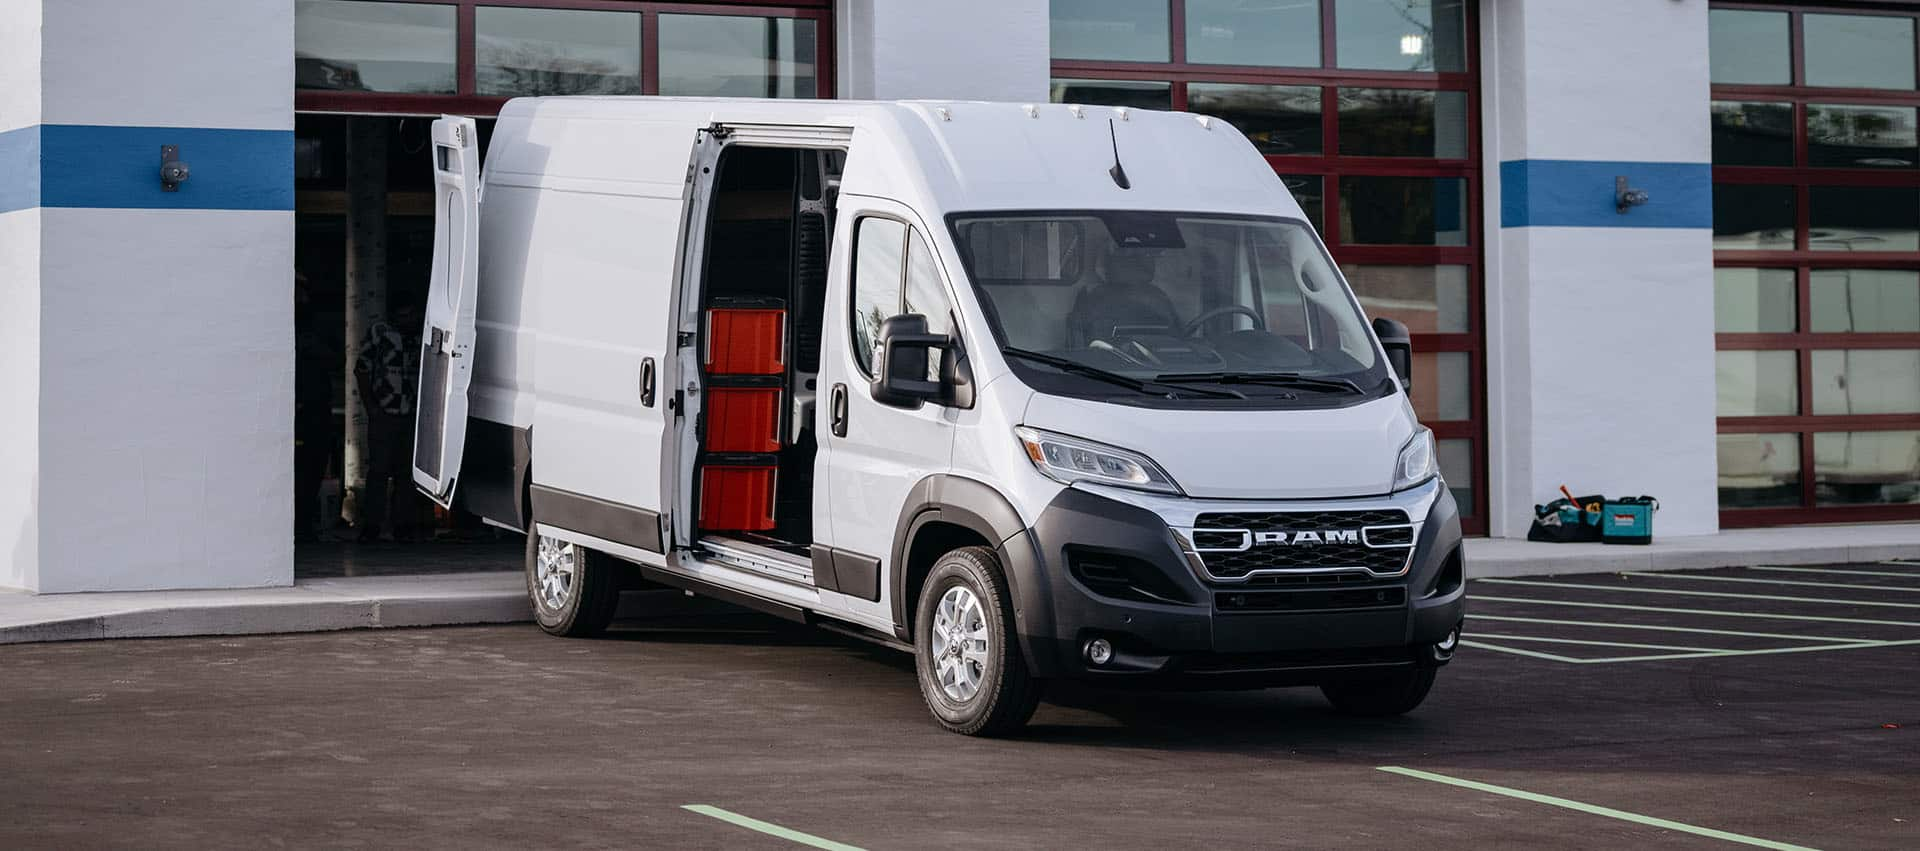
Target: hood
(1239, 454)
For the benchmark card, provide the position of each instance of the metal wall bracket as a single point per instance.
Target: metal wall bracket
(173, 171)
(1626, 197)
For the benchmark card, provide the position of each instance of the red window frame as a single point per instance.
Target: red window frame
(1329, 166)
(465, 102)
(1802, 261)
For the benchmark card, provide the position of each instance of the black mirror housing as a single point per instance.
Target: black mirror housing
(1398, 343)
(900, 369)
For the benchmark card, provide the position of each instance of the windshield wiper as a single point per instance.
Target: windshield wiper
(1075, 367)
(1275, 379)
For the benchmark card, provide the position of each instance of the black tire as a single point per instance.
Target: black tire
(1381, 696)
(1007, 694)
(593, 596)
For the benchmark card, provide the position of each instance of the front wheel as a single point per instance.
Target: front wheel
(970, 669)
(574, 590)
(1381, 696)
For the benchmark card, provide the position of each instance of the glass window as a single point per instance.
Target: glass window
(926, 294)
(1752, 133)
(1442, 386)
(1864, 218)
(1861, 136)
(1759, 470)
(728, 56)
(1130, 93)
(1278, 119)
(1859, 51)
(1253, 32)
(877, 269)
(1756, 384)
(1403, 210)
(1749, 48)
(1306, 189)
(1866, 381)
(1400, 35)
(1427, 299)
(1456, 467)
(1750, 218)
(1115, 30)
(1856, 301)
(358, 46)
(1754, 301)
(556, 52)
(1403, 123)
(1866, 467)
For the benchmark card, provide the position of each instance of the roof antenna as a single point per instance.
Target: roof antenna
(1118, 171)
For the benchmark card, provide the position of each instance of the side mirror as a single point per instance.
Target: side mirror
(1399, 345)
(900, 370)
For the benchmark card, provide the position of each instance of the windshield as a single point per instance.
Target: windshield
(1178, 304)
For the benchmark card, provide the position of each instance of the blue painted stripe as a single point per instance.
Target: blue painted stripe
(19, 169)
(85, 165)
(1580, 193)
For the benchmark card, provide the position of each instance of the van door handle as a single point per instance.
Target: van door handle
(837, 410)
(646, 382)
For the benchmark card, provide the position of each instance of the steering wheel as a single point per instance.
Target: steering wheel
(1218, 312)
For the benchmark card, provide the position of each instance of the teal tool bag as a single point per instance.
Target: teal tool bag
(1628, 520)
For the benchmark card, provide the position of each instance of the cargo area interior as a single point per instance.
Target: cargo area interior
(762, 296)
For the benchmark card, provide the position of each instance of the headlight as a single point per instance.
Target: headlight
(1416, 464)
(1070, 459)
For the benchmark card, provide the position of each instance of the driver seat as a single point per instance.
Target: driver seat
(1097, 311)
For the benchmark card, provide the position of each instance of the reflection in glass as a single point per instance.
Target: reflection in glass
(1442, 386)
(1865, 301)
(1756, 383)
(556, 52)
(1403, 210)
(1866, 381)
(1117, 30)
(360, 46)
(729, 56)
(1306, 189)
(1400, 35)
(1748, 47)
(1864, 218)
(1253, 32)
(1752, 218)
(877, 268)
(1403, 123)
(1858, 51)
(1866, 468)
(1131, 93)
(1759, 470)
(1456, 467)
(1861, 136)
(1752, 133)
(1278, 119)
(1427, 299)
(1754, 301)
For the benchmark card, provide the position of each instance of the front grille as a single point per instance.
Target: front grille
(1378, 540)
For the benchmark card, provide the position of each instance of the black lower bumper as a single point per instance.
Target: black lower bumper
(1093, 567)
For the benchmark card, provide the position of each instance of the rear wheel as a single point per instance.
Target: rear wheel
(1381, 696)
(574, 590)
(970, 669)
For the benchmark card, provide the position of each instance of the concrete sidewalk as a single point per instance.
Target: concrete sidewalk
(318, 605)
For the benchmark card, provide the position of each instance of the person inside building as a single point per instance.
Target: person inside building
(387, 372)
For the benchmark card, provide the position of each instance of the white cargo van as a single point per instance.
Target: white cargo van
(1033, 391)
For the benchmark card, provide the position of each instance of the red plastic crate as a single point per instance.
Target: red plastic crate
(746, 341)
(737, 497)
(743, 419)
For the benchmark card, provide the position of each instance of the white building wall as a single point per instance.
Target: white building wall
(974, 50)
(164, 354)
(19, 294)
(1600, 324)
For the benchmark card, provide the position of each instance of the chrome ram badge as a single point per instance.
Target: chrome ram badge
(1307, 538)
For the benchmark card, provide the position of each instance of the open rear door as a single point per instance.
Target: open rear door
(446, 343)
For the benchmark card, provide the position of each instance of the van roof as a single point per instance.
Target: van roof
(972, 155)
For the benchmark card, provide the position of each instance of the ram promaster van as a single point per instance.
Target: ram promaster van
(1035, 392)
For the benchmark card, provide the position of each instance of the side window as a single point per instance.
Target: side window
(877, 267)
(926, 295)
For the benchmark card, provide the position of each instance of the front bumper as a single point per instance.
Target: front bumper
(1171, 620)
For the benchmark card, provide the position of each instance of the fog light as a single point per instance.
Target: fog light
(1452, 640)
(1099, 652)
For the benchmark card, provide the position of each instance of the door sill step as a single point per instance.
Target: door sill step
(762, 560)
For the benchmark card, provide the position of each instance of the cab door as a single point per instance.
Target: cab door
(876, 453)
(446, 341)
